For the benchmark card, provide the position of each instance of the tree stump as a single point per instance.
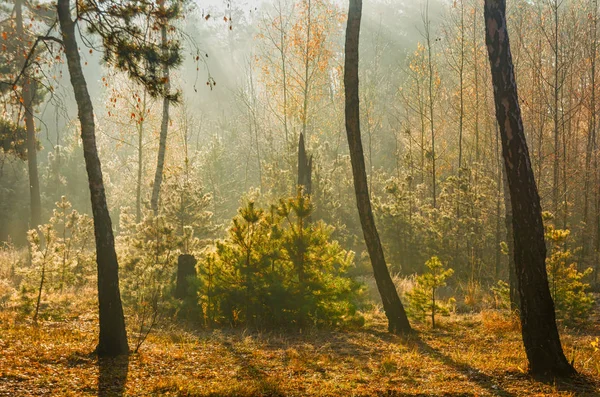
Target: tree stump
(304, 167)
(186, 268)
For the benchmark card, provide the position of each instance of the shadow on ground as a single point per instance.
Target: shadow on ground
(579, 385)
(112, 376)
(253, 372)
(473, 374)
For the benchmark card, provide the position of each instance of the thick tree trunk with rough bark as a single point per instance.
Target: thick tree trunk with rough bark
(397, 320)
(113, 336)
(35, 202)
(538, 324)
(510, 244)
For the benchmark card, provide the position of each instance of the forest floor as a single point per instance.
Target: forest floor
(467, 355)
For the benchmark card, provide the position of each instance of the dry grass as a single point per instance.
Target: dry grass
(476, 355)
(500, 322)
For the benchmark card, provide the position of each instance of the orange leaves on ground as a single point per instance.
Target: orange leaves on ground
(461, 358)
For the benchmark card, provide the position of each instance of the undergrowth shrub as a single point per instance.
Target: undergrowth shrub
(6, 292)
(149, 250)
(148, 254)
(473, 296)
(61, 256)
(501, 295)
(572, 301)
(422, 299)
(11, 259)
(277, 268)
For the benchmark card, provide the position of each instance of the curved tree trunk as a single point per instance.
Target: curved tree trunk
(397, 320)
(113, 336)
(538, 324)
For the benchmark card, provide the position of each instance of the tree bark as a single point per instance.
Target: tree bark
(397, 320)
(538, 324)
(513, 286)
(140, 159)
(32, 166)
(113, 336)
(164, 129)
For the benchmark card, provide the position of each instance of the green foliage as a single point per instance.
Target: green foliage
(12, 139)
(10, 259)
(60, 252)
(148, 255)
(148, 251)
(73, 241)
(501, 293)
(572, 302)
(123, 27)
(457, 230)
(275, 268)
(186, 209)
(422, 299)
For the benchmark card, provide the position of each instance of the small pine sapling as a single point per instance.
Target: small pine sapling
(567, 286)
(423, 297)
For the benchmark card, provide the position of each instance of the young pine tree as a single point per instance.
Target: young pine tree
(423, 297)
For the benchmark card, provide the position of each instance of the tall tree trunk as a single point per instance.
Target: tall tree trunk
(164, 127)
(283, 47)
(254, 122)
(461, 78)
(555, 111)
(476, 78)
(541, 103)
(306, 70)
(591, 138)
(35, 202)
(397, 320)
(140, 159)
(431, 104)
(538, 324)
(422, 111)
(113, 336)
